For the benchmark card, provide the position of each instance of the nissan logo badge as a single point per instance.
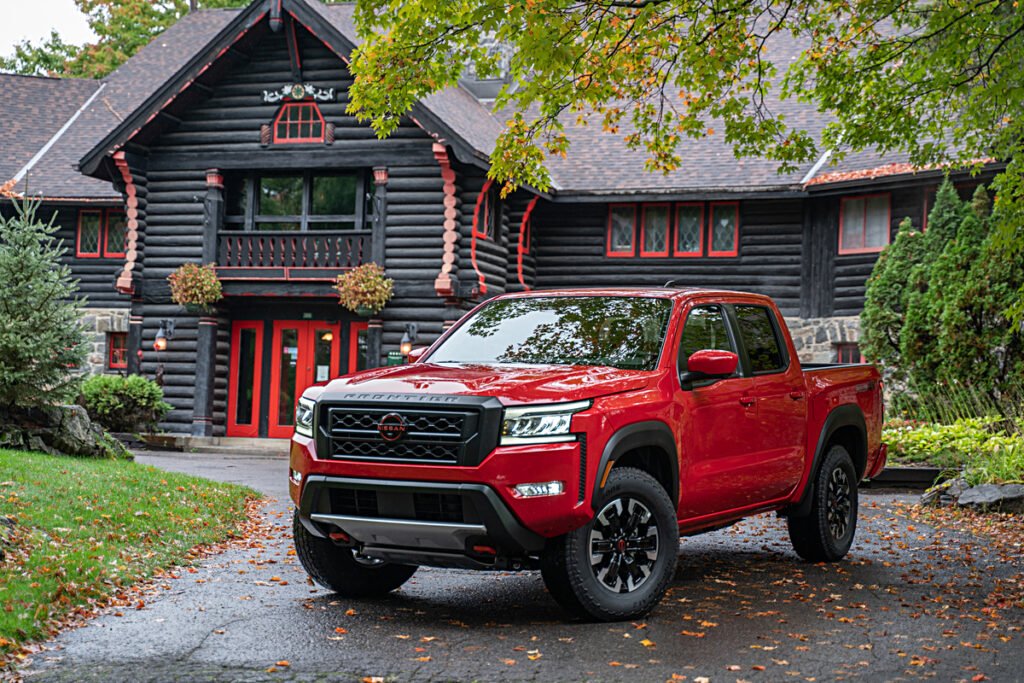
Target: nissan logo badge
(391, 427)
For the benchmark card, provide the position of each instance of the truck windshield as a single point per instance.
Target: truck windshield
(620, 332)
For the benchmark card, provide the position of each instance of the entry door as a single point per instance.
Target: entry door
(303, 352)
(245, 378)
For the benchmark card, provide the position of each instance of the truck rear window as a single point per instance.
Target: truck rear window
(619, 332)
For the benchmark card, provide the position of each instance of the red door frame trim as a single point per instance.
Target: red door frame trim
(736, 230)
(233, 428)
(864, 227)
(643, 228)
(700, 232)
(608, 232)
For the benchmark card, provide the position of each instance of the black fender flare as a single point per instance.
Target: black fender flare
(639, 435)
(846, 415)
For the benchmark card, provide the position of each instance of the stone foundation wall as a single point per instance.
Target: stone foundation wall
(815, 338)
(97, 322)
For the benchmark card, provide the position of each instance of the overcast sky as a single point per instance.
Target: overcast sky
(34, 19)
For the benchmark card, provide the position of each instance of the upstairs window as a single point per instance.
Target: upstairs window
(296, 202)
(864, 223)
(487, 215)
(102, 233)
(298, 122)
(683, 229)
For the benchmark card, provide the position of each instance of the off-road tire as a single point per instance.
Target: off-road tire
(572, 578)
(816, 537)
(337, 569)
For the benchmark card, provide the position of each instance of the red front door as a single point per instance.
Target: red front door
(304, 352)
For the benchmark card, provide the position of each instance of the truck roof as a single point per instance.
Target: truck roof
(675, 293)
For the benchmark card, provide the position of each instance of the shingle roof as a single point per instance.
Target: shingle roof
(598, 162)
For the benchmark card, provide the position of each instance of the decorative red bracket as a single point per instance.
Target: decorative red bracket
(443, 284)
(124, 280)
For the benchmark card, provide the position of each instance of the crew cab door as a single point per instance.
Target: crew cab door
(716, 420)
(781, 397)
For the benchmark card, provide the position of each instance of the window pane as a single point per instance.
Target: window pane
(278, 227)
(236, 194)
(759, 337)
(723, 228)
(853, 224)
(705, 329)
(287, 365)
(622, 222)
(117, 349)
(323, 347)
(246, 376)
(89, 233)
(361, 347)
(688, 229)
(876, 233)
(117, 233)
(335, 195)
(656, 229)
(280, 196)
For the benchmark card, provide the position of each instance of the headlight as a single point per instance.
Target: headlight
(540, 424)
(304, 417)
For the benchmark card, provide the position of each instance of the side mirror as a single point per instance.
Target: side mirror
(417, 353)
(709, 364)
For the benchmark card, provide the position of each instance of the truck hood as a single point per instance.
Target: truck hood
(511, 384)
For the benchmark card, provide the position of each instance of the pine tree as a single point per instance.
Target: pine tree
(41, 337)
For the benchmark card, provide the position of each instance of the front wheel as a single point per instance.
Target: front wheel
(344, 571)
(619, 565)
(826, 534)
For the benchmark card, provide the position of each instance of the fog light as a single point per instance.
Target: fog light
(296, 476)
(543, 488)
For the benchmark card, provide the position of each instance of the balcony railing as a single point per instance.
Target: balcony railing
(289, 255)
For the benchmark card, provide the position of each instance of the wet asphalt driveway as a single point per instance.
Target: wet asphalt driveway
(908, 603)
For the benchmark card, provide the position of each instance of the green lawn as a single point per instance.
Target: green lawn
(87, 528)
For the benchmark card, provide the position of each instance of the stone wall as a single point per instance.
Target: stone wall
(97, 322)
(815, 338)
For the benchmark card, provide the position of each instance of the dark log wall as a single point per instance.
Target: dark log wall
(95, 276)
(493, 253)
(223, 131)
(515, 207)
(569, 246)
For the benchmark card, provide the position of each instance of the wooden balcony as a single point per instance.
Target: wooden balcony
(303, 256)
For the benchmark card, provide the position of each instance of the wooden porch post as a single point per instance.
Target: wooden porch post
(375, 329)
(206, 338)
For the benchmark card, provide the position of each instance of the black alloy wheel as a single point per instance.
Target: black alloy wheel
(623, 545)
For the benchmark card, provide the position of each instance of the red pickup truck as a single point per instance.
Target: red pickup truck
(581, 432)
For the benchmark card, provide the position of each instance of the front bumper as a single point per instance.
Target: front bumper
(417, 522)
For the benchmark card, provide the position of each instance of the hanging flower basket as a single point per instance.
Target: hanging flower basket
(365, 289)
(195, 287)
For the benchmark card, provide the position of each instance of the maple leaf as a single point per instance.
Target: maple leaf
(647, 643)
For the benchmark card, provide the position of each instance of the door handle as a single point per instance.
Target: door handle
(747, 400)
(796, 395)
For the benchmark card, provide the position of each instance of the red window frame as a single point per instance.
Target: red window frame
(485, 207)
(735, 251)
(849, 352)
(117, 350)
(864, 228)
(107, 252)
(608, 232)
(643, 228)
(300, 105)
(525, 234)
(100, 238)
(700, 232)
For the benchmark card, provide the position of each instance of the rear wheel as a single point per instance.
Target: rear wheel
(343, 570)
(826, 534)
(619, 565)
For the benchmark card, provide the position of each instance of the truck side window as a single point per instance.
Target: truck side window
(761, 339)
(705, 329)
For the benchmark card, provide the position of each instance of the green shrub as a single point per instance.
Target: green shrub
(1004, 465)
(124, 404)
(947, 445)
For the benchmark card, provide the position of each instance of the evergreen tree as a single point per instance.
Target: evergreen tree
(41, 337)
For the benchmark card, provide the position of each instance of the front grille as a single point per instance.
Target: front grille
(355, 502)
(460, 431)
(438, 507)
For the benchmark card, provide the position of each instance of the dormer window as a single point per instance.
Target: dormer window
(298, 122)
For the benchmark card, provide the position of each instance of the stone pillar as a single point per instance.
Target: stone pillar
(375, 327)
(213, 214)
(206, 363)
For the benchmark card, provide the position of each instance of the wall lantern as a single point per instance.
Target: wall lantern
(165, 333)
(408, 339)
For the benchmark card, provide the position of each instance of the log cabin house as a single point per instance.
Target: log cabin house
(226, 141)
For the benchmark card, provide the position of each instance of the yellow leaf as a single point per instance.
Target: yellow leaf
(647, 643)
(424, 658)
